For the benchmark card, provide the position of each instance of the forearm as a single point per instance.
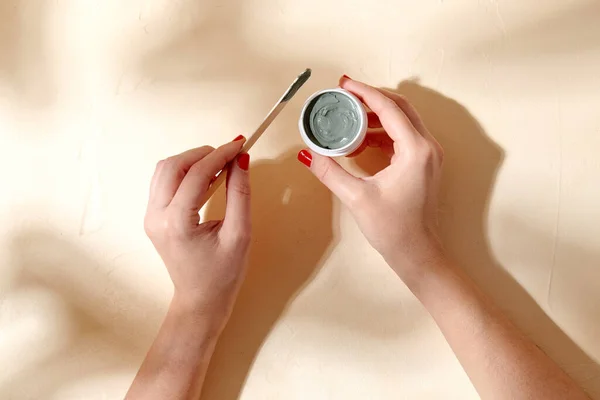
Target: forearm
(501, 362)
(177, 361)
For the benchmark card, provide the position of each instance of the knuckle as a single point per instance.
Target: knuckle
(440, 151)
(428, 151)
(164, 225)
(240, 237)
(433, 152)
(223, 160)
(424, 153)
(323, 171)
(149, 226)
(220, 157)
(174, 226)
(160, 165)
(199, 170)
(242, 188)
(171, 163)
(389, 103)
(196, 168)
(359, 198)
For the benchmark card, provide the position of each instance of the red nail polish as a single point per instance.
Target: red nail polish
(346, 77)
(244, 161)
(241, 137)
(305, 157)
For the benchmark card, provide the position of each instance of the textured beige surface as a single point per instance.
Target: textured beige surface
(93, 93)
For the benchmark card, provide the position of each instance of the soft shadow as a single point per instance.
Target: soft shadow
(471, 163)
(550, 54)
(23, 51)
(292, 237)
(75, 320)
(571, 290)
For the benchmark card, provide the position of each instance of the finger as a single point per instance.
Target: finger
(170, 172)
(374, 138)
(237, 223)
(345, 186)
(373, 120)
(378, 137)
(395, 122)
(409, 110)
(193, 187)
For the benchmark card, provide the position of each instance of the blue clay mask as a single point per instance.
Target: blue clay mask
(332, 120)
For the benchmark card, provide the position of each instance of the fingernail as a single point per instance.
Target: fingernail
(305, 157)
(214, 178)
(244, 161)
(241, 137)
(346, 77)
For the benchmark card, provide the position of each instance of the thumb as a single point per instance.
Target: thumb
(237, 222)
(344, 185)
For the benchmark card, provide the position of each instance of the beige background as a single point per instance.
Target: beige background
(94, 93)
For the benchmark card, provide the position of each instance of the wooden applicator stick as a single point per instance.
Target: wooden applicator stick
(277, 108)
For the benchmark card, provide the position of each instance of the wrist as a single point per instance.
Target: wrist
(211, 319)
(433, 279)
(420, 265)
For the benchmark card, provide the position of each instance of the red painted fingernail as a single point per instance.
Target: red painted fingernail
(305, 157)
(214, 178)
(346, 77)
(244, 161)
(241, 137)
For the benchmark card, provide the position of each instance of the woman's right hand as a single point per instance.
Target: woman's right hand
(396, 209)
(206, 261)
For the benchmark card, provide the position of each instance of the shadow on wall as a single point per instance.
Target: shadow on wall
(572, 294)
(67, 319)
(23, 65)
(292, 237)
(553, 54)
(471, 163)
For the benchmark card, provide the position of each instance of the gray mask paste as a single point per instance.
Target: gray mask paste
(333, 120)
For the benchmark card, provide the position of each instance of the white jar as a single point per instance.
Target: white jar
(355, 137)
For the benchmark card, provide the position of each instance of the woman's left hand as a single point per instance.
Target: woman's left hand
(206, 261)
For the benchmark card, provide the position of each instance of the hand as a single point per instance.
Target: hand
(396, 209)
(206, 261)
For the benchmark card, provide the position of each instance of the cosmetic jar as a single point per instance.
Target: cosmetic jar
(333, 122)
